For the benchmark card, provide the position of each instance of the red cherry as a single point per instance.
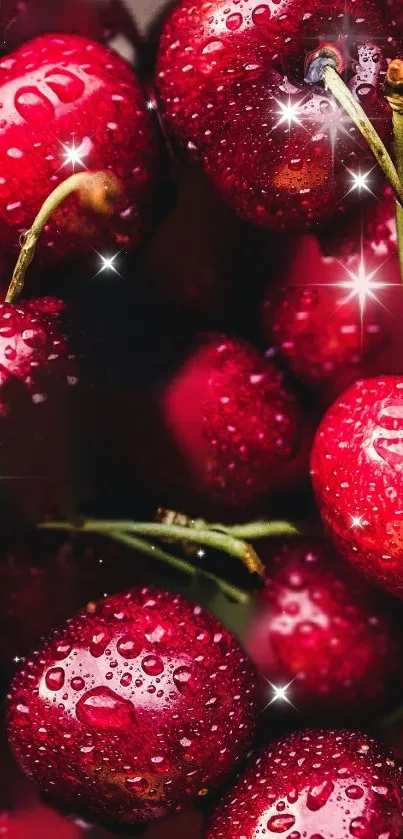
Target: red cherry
(228, 75)
(59, 92)
(234, 422)
(315, 318)
(319, 626)
(356, 472)
(154, 699)
(315, 783)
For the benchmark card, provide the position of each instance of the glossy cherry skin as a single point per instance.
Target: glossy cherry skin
(226, 70)
(332, 784)
(322, 629)
(55, 91)
(395, 12)
(356, 467)
(234, 421)
(154, 698)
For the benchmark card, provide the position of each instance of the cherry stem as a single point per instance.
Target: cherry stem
(253, 530)
(231, 591)
(394, 95)
(343, 94)
(97, 190)
(217, 540)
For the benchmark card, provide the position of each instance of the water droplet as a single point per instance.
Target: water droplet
(127, 647)
(63, 649)
(77, 683)
(103, 709)
(359, 828)
(279, 824)
(99, 642)
(152, 665)
(319, 794)
(55, 678)
(354, 792)
(234, 21)
(261, 16)
(137, 784)
(184, 681)
(126, 679)
(65, 84)
(33, 106)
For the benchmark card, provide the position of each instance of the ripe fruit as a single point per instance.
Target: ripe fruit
(231, 82)
(134, 709)
(320, 627)
(357, 466)
(314, 318)
(332, 784)
(235, 423)
(62, 95)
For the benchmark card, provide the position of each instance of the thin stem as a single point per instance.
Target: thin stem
(231, 591)
(264, 530)
(343, 94)
(98, 190)
(209, 538)
(398, 135)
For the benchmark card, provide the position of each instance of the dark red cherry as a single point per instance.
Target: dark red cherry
(321, 783)
(67, 103)
(136, 708)
(232, 82)
(356, 466)
(321, 629)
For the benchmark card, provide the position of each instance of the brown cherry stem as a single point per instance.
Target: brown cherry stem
(345, 98)
(97, 190)
(394, 95)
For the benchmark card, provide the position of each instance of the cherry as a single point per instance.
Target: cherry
(234, 421)
(315, 783)
(395, 11)
(63, 92)
(321, 629)
(356, 473)
(232, 82)
(154, 699)
(315, 319)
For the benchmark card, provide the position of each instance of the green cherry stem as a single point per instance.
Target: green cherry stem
(231, 591)
(97, 190)
(343, 94)
(394, 95)
(254, 530)
(215, 539)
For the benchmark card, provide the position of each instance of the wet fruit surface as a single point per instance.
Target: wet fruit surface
(231, 77)
(328, 784)
(234, 420)
(357, 467)
(140, 705)
(320, 628)
(67, 103)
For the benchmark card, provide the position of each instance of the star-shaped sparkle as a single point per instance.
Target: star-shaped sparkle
(289, 113)
(108, 264)
(360, 181)
(74, 155)
(280, 694)
(357, 521)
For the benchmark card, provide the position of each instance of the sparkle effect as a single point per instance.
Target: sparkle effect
(108, 264)
(73, 155)
(279, 694)
(359, 181)
(357, 521)
(288, 113)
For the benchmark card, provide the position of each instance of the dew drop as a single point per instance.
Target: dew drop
(319, 794)
(99, 642)
(261, 16)
(184, 681)
(55, 678)
(77, 683)
(279, 824)
(126, 679)
(127, 647)
(137, 784)
(103, 709)
(354, 792)
(359, 828)
(234, 21)
(63, 649)
(152, 665)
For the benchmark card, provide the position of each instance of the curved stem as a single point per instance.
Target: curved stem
(231, 591)
(394, 95)
(97, 190)
(215, 539)
(343, 94)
